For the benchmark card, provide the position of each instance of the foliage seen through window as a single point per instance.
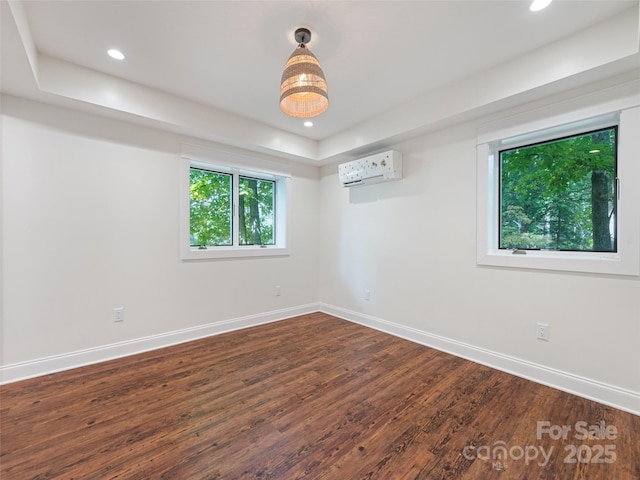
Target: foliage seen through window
(561, 194)
(212, 221)
(210, 207)
(255, 211)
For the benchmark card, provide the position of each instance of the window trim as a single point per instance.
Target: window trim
(626, 261)
(282, 180)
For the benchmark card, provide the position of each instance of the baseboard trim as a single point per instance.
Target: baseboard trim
(616, 397)
(44, 366)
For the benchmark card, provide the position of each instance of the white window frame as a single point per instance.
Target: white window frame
(282, 187)
(623, 112)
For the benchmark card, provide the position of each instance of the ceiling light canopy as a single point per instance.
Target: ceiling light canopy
(303, 89)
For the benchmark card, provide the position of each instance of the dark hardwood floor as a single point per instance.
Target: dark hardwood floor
(310, 397)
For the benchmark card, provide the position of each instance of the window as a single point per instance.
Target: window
(256, 209)
(232, 212)
(560, 192)
(210, 210)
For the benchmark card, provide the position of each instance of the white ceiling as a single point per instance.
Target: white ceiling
(220, 62)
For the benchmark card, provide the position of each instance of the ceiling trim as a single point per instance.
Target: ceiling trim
(611, 47)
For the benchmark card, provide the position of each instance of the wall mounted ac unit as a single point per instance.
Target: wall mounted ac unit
(381, 167)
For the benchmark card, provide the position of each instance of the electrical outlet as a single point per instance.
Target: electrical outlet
(118, 314)
(543, 331)
(367, 294)
(278, 291)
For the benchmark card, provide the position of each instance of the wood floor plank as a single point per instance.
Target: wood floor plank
(311, 397)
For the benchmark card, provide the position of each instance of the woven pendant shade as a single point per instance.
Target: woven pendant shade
(303, 90)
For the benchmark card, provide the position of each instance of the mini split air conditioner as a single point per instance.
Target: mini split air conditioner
(381, 167)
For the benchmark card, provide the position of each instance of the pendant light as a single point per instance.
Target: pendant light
(303, 89)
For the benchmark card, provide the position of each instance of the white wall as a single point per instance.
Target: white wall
(412, 244)
(91, 222)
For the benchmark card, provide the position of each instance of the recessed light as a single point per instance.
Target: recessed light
(117, 54)
(538, 5)
(308, 123)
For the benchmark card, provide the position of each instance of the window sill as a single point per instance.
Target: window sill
(237, 252)
(583, 262)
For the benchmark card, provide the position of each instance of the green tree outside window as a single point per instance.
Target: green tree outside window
(255, 211)
(561, 194)
(210, 206)
(211, 209)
